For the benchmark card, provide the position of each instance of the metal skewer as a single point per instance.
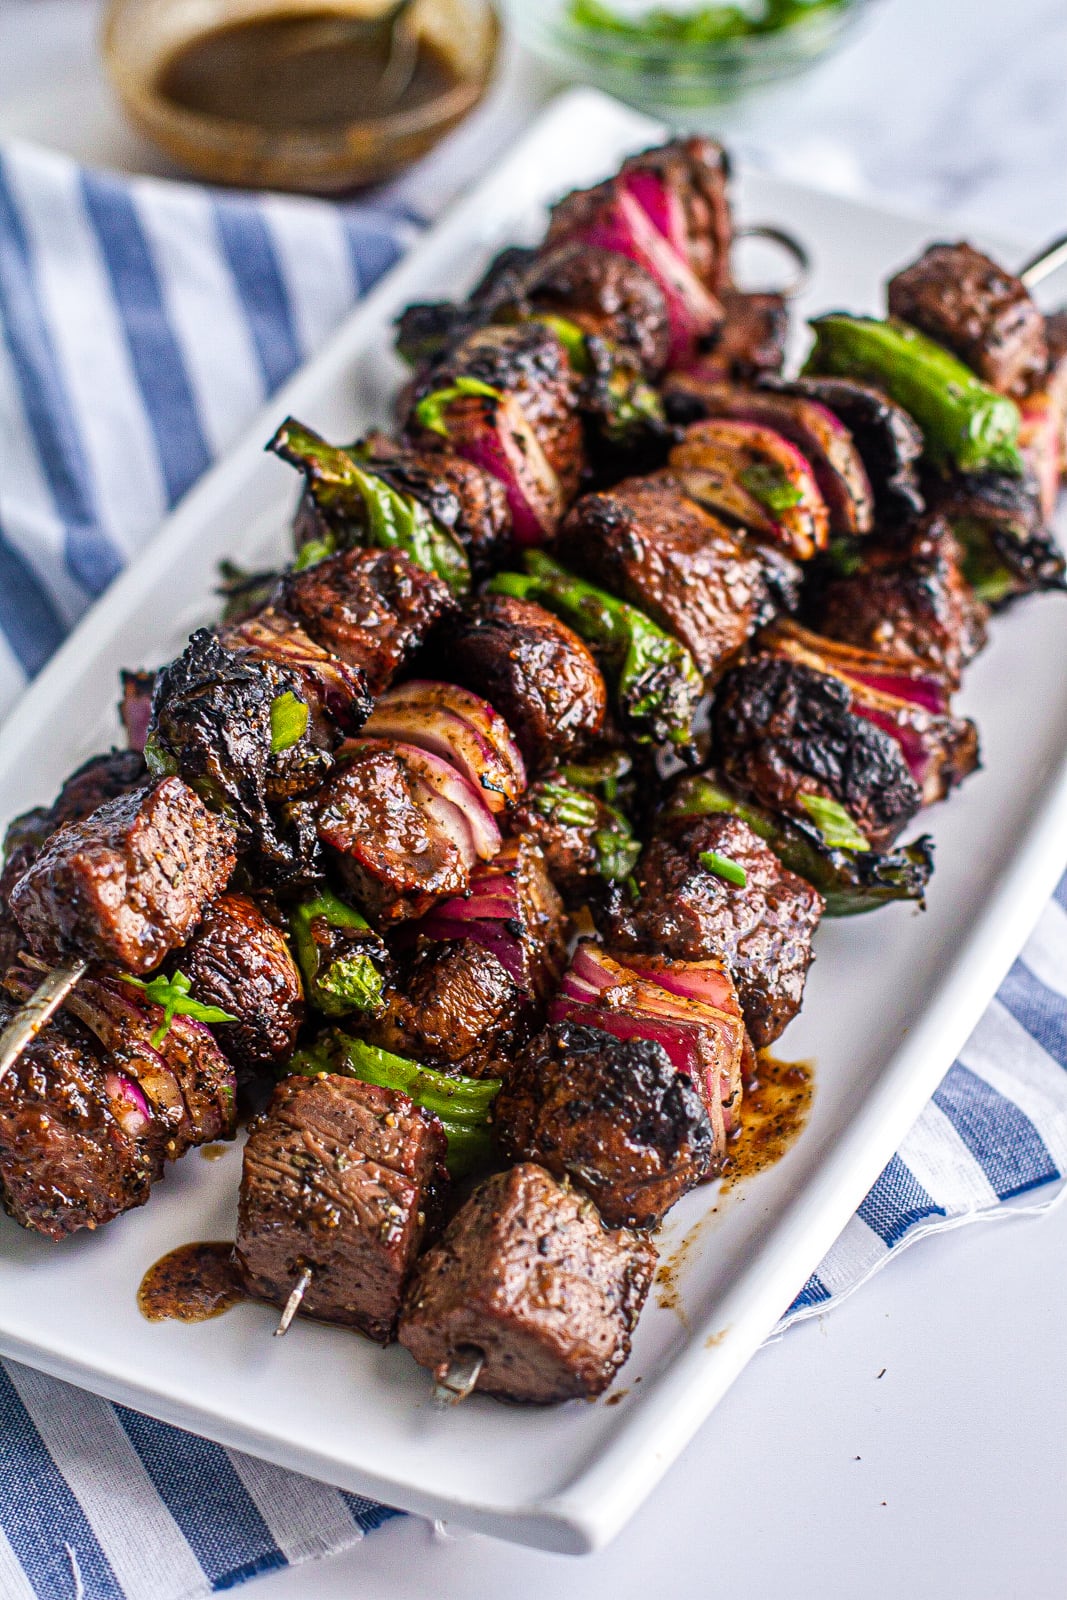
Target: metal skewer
(292, 1305)
(42, 1004)
(1045, 263)
(460, 1377)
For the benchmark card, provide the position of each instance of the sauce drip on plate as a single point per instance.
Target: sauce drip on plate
(773, 1111)
(191, 1284)
(310, 70)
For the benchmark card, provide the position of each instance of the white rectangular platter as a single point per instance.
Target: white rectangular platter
(891, 998)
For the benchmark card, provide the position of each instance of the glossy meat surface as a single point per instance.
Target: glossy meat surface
(394, 852)
(965, 301)
(527, 1273)
(533, 670)
(614, 1116)
(239, 960)
(460, 496)
(455, 1006)
(66, 1161)
(340, 1177)
(909, 602)
(763, 930)
(129, 882)
(372, 608)
(647, 542)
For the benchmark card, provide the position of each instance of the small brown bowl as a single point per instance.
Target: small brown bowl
(140, 37)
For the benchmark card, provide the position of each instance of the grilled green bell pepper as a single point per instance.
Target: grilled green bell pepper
(463, 1105)
(850, 878)
(657, 682)
(365, 509)
(965, 423)
(333, 945)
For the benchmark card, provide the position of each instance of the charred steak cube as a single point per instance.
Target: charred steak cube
(75, 1148)
(396, 846)
(534, 671)
(455, 1007)
(527, 1274)
(339, 1179)
(374, 609)
(239, 959)
(785, 730)
(460, 496)
(763, 930)
(645, 541)
(986, 315)
(129, 882)
(750, 341)
(612, 1115)
(910, 603)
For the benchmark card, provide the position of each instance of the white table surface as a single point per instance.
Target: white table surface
(914, 1441)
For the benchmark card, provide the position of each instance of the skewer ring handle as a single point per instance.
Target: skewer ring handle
(1047, 261)
(797, 280)
(42, 1004)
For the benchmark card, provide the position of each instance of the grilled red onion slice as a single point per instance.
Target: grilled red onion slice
(491, 914)
(691, 1008)
(449, 798)
(128, 1104)
(624, 226)
(459, 728)
(331, 688)
(491, 432)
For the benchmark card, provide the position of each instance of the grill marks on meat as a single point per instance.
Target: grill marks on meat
(456, 1007)
(647, 542)
(66, 1161)
(391, 841)
(533, 670)
(527, 1274)
(762, 931)
(372, 608)
(986, 315)
(339, 1177)
(128, 883)
(614, 1116)
(784, 730)
(909, 603)
(239, 960)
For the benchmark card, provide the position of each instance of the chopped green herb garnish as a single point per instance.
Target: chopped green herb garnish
(430, 410)
(771, 487)
(571, 337)
(173, 995)
(314, 551)
(834, 823)
(289, 719)
(723, 867)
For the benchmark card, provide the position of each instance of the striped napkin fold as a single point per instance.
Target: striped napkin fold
(143, 324)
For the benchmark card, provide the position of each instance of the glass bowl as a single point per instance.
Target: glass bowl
(672, 79)
(140, 37)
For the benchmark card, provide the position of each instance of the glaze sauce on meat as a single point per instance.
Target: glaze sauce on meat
(773, 1113)
(191, 1284)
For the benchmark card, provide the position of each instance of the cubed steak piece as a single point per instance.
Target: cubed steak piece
(606, 295)
(77, 1146)
(985, 315)
(372, 608)
(129, 882)
(909, 602)
(340, 1178)
(647, 542)
(762, 928)
(396, 843)
(750, 341)
(614, 1116)
(239, 960)
(527, 1275)
(788, 734)
(535, 671)
(455, 1006)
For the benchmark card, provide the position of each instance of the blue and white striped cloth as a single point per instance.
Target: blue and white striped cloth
(142, 324)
